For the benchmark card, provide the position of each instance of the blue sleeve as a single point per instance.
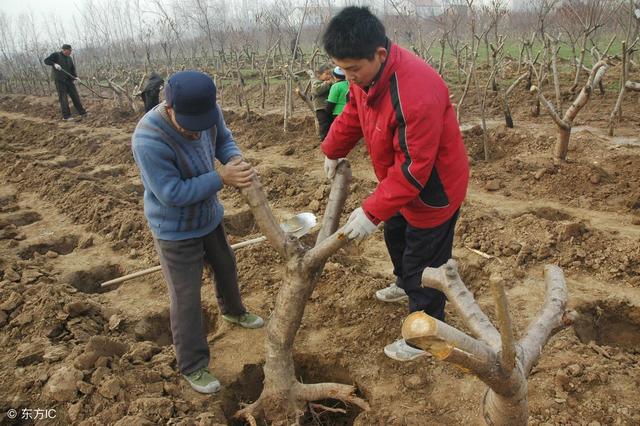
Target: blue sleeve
(157, 167)
(226, 147)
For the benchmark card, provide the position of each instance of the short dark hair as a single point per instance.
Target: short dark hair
(355, 33)
(66, 47)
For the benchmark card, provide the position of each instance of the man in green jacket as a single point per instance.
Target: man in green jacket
(338, 95)
(64, 74)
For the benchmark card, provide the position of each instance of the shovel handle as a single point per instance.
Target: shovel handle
(157, 268)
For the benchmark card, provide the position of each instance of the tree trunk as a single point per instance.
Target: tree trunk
(284, 398)
(499, 410)
(616, 114)
(562, 146)
(507, 114)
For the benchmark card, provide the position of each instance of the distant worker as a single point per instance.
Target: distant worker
(338, 95)
(320, 87)
(64, 74)
(151, 93)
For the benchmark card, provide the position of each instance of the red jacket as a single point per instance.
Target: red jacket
(413, 138)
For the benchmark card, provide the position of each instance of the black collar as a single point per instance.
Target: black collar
(387, 46)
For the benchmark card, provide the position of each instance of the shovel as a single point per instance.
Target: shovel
(83, 83)
(296, 226)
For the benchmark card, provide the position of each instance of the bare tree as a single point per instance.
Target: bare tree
(565, 122)
(284, 399)
(493, 355)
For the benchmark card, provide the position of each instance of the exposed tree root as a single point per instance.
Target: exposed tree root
(301, 395)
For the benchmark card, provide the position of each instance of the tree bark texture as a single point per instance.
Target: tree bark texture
(284, 399)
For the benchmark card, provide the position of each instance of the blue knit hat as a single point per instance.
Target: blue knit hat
(192, 96)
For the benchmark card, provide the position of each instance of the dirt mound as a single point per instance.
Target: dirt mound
(521, 165)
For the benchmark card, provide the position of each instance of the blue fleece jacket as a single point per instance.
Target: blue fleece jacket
(179, 178)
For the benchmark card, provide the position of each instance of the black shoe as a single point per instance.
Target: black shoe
(67, 119)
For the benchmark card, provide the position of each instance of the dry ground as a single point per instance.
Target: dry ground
(71, 217)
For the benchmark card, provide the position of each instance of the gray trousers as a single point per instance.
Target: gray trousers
(182, 264)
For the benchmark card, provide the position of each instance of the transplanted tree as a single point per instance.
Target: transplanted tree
(565, 122)
(284, 399)
(493, 356)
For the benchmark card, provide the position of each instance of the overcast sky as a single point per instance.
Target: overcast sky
(15, 7)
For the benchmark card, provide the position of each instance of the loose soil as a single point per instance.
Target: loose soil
(71, 217)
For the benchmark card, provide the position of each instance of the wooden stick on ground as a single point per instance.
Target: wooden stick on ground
(157, 268)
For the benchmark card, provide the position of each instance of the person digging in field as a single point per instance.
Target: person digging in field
(320, 87)
(64, 75)
(338, 94)
(175, 146)
(151, 93)
(401, 106)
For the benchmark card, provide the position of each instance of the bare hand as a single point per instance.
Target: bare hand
(237, 173)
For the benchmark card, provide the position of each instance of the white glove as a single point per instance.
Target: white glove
(359, 226)
(330, 167)
(77, 79)
(57, 66)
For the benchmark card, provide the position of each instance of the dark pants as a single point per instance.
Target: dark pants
(151, 98)
(182, 264)
(67, 88)
(412, 250)
(324, 121)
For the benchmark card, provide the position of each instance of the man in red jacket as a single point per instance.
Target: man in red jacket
(401, 106)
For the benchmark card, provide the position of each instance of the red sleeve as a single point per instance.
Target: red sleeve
(415, 142)
(345, 131)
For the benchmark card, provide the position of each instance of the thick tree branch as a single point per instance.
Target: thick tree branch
(447, 280)
(508, 353)
(515, 84)
(440, 339)
(257, 201)
(551, 318)
(337, 198)
(584, 95)
(550, 109)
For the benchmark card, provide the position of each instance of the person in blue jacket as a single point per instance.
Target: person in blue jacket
(175, 146)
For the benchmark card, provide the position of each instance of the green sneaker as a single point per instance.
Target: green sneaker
(202, 381)
(246, 320)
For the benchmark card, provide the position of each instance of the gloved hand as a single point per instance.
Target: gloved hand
(57, 66)
(330, 167)
(359, 226)
(77, 79)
